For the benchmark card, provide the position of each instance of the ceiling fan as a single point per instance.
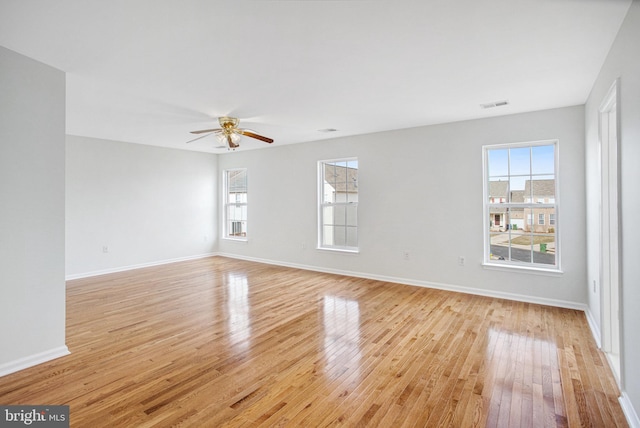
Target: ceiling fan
(229, 133)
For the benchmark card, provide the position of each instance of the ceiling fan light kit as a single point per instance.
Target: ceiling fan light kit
(229, 133)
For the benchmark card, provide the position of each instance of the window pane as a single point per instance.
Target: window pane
(231, 213)
(237, 212)
(327, 235)
(498, 162)
(351, 186)
(542, 189)
(352, 236)
(516, 196)
(520, 161)
(520, 246)
(517, 183)
(498, 219)
(352, 215)
(237, 181)
(328, 193)
(544, 248)
(237, 228)
(327, 215)
(516, 217)
(340, 236)
(528, 220)
(340, 215)
(237, 198)
(542, 160)
(499, 246)
(498, 191)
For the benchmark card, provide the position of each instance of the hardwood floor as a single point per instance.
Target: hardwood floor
(221, 342)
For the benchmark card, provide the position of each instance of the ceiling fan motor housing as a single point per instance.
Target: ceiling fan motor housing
(228, 122)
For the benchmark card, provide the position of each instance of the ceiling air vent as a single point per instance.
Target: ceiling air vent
(495, 104)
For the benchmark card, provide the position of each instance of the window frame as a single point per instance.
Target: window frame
(321, 204)
(486, 217)
(226, 204)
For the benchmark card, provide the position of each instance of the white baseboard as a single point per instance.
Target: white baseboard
(593, 325)
(137, 266)
(33, 360)
(629, 411)
(418, 283)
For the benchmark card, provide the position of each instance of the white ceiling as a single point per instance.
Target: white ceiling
(150, 71)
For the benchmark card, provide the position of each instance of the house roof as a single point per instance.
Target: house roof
(498, 189)
(540, 188)
(517, 196)
(342, 179)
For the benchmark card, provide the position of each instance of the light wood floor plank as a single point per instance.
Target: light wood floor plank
(229, 343)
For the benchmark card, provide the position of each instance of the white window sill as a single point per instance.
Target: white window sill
(338, 250)
(232, 238)
(525, 269)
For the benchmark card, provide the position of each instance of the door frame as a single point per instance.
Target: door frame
(610, 224)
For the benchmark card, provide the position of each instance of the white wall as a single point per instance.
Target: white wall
(32, 287)
(622, 62)
(146, 204)
(420, 190)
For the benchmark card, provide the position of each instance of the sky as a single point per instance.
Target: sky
(521, 164)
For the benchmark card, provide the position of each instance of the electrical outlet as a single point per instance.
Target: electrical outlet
(105, 249)
(303, 246)
(405, 255)
(461, 261)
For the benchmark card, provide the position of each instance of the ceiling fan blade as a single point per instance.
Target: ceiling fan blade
(195, 139)
(206, 130)
(254, 135)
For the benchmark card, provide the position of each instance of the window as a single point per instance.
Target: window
(524, 177)
(235, 204)
(338, 204)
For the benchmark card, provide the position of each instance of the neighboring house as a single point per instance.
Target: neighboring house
(537, 220)
(516, 215)
(343, 182)
(540, 220)
(498, 195)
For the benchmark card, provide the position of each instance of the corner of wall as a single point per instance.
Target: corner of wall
(33, 360)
